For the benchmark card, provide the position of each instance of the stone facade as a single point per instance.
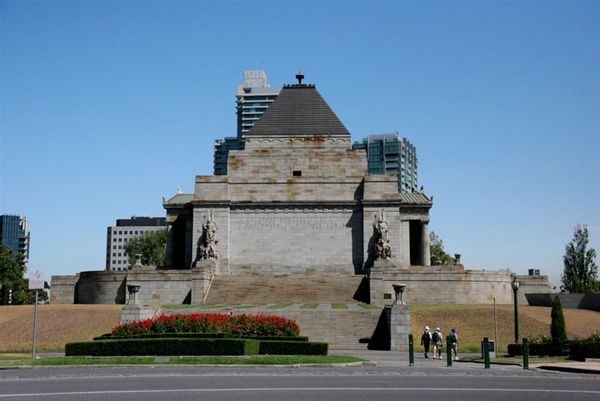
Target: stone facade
(298, 198)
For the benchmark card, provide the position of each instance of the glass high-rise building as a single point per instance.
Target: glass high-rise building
(14, 232)
(253, 97)
(391, 154)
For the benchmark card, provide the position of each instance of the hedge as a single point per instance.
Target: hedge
(292, 348)
(539, 349)
(161, 346)
(581, 350)
(197, 335)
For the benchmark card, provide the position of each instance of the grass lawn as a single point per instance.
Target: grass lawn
(265, 360)
(473, 322)
(339, 306)
(309, 306)
(25, 360)
(279, 306)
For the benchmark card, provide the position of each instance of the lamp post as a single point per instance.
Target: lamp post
(515, 286)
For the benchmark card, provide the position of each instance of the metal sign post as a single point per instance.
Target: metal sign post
(36, 282)
(34, 322)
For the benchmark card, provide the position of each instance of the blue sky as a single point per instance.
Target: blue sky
(106, 106)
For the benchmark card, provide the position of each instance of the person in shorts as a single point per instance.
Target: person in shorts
(454, 343)
(437, 339)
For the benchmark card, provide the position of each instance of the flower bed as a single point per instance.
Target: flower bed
(212, 323)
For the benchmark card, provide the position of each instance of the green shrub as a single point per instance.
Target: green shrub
(267, 338)
(164, 346)
(539, 349)
(268, 347)
(557, 327)
(588, 348)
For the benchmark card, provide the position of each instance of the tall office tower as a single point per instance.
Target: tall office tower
(14, 232)
(253, 97)
(390, 154)
(125, 230)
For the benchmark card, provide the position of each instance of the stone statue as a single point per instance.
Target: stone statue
(381, 246)
(207, 244)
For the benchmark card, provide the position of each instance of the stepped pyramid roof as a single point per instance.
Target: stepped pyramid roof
(299, 110)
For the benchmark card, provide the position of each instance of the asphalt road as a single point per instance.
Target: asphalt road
(149, 383)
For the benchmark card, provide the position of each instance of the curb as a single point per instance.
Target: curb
(567, 369)
(296, 365)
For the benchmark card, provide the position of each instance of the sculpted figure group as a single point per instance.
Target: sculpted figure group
(381, 246)
(207, 245)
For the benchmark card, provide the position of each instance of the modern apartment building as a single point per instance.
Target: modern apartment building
(253, 97)
(14, 232)
(125, 230)
(391, 154)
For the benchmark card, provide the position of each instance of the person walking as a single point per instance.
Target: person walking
(437, 339)
(454, 343)
(426, 340)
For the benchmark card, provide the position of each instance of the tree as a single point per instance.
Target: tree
(557, 327)
(438, 254)
(14, 285)
(152, 247)
(580, 274)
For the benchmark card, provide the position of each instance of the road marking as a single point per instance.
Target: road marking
(296, 389)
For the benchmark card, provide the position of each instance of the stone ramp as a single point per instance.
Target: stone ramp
(288, 288)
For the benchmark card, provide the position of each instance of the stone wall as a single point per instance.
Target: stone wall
(531, 285)
(63, 289)
(295, 239)
(160, 287)
(156, 287)
(447, 285)
(100, 287)
(575, 301)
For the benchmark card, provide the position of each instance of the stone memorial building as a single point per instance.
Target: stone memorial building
(297, 198)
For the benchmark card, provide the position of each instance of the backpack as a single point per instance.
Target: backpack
(435, 337)
(454, 337)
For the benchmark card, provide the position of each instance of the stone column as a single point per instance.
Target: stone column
(425, 250)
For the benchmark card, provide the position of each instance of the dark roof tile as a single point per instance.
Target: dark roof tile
(299, 110)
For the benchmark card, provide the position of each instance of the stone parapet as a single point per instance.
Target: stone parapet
(63, 289)
(443, 285)
(531, 285)
(163, 286)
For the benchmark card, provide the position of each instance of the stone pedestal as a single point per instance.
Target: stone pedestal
(399, 327)
(202, 274)
(132, 313)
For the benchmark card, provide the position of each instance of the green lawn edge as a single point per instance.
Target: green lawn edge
(197, 360)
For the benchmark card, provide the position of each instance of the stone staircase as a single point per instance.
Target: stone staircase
(288, 288)
(323, 305)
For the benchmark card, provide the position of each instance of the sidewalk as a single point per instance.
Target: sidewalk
(400, 359)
